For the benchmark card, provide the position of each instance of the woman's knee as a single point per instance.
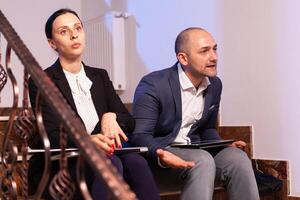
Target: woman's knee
(115, 160)
(134, 161)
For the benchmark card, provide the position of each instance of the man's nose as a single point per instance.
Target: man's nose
(213, 55)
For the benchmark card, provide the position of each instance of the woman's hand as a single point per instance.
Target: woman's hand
(104, 143)
(111, 129)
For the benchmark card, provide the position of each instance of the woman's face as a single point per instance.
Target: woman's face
(68, 37)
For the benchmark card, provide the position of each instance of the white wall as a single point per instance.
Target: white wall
(260, 50)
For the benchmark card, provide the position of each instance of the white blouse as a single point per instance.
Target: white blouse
(80, 86)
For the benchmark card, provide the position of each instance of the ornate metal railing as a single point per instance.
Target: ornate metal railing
(23, 125)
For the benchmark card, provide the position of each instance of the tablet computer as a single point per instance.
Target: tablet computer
(204, 144)
(131, 150)
(72, 152)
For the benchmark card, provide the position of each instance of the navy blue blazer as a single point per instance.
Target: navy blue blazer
(157, 111)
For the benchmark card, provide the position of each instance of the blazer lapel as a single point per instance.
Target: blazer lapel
(62, 83)
(175, 87)
(208, 96)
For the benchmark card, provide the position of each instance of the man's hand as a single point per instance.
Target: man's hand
(111, 129)
(239, 144)
(168, 159)
(104, 143)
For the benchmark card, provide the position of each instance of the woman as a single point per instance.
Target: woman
(90, 94)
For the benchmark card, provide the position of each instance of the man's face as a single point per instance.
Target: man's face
(200, 54)
(68, 37)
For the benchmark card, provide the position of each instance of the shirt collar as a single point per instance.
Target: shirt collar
(79, 82)
(81, 73)
(186, 83)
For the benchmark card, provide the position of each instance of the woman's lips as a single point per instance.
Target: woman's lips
(76, 45)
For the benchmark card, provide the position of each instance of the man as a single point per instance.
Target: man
(180, 105)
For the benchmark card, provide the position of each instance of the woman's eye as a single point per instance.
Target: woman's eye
(79, 28)
(63, 32)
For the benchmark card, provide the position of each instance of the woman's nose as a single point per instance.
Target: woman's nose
(73, 35)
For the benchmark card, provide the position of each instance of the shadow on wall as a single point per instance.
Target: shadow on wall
(135, 67)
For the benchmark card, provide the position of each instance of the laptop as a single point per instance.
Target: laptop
(204, 144)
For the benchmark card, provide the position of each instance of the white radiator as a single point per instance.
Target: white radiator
(105, 46)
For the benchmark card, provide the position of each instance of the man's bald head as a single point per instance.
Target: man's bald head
(182, 39)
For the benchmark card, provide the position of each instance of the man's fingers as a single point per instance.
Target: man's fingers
(182, 164)
(239, 144)
(173, 161)
(189, 164)
(242, 143)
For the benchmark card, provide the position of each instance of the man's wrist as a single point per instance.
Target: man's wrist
(160, 163)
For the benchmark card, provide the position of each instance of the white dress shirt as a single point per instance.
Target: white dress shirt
(80, 86)
(192, 100)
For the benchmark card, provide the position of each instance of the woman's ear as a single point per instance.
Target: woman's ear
(52, 44)
(182, 58)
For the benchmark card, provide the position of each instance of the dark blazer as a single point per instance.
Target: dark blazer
(103, 95)
(157, 110)
(105, 100)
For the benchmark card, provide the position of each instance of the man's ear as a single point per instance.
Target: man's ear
(182, 58)
(52, 44)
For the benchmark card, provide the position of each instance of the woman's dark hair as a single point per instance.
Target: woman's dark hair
(49, 23)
